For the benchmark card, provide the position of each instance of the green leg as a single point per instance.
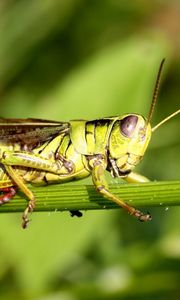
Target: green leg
(19, 182)
(102, 187)
(135, 178)
(31, 160)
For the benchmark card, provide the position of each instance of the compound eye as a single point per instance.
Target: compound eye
(128, 124)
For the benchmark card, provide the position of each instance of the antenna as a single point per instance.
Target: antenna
(165, 120)
(155, 94)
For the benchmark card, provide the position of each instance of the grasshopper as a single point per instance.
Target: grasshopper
(45, 152)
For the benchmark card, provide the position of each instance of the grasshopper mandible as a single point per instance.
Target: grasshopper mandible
(46, 152)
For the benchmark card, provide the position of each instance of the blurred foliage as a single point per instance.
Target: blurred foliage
(87, 59)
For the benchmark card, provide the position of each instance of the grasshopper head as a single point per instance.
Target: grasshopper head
(130, 136)
(128, 142)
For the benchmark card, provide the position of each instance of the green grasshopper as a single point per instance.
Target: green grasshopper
(46, 152)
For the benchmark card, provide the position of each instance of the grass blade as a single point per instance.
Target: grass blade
(84, 197)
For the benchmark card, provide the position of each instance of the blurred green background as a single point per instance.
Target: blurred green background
(87, 59)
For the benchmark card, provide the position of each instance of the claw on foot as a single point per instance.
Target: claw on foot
(29, 209)
(25, 221)
(141, 216)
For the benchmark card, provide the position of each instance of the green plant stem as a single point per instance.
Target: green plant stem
(84, 197)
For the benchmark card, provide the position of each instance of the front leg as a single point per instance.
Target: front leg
(134, 177)
(98, 169)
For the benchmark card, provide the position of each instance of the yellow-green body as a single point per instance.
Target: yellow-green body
(84, 141)
(71, 151)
